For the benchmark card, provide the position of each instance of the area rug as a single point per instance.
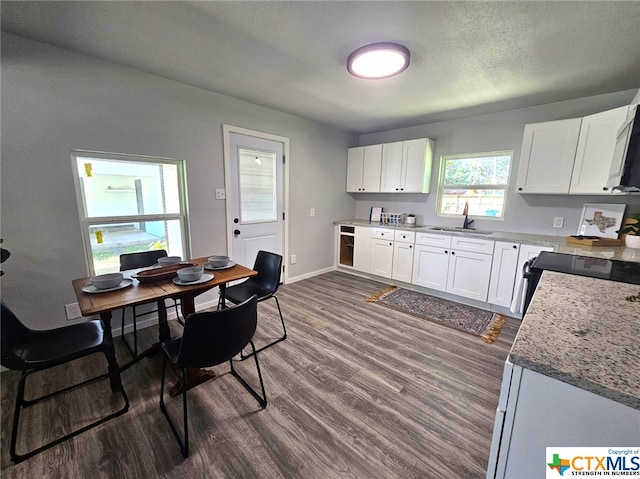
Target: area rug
(478, 322)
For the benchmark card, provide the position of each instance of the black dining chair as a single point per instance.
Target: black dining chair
(137, 260)
(264, 286)
(210, 338)
(29, 351)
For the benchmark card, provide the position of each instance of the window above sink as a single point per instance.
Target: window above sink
(479, 179)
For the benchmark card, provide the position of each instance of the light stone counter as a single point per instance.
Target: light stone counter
(558, 243)
(582, 331)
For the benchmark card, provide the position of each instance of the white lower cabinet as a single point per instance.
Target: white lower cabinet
(403, 256)
(431, 261)
(535, 412)
(474, 268)
(469, 274)
(503, 273)
(381, 257)
(458, 265)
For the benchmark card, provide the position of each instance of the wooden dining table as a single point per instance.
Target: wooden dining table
(104, 303)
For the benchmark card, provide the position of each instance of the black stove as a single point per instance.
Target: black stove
(611, 269)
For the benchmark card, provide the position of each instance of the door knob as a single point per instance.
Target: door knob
(236, 232)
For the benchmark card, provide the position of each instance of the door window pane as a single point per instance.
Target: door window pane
(257, 186)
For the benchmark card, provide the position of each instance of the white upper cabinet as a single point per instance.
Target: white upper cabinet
(406, 166)
(547, 157)
(363, 169)
(594, 155)
(391, 167)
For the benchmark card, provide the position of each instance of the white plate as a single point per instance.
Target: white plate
(92, 289)
(203, 279)
(208, 266)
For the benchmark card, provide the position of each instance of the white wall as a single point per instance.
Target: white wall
(495, 132)
(55, 101)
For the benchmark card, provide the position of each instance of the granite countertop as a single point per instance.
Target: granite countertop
(582, 331)
(558, 243)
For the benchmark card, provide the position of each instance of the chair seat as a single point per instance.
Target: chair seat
(243, 291)
(43, 349)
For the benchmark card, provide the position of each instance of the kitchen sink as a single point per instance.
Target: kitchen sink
(461, 230)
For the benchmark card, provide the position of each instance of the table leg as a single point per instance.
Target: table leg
(114, 376)
(223, 288)
(164, 334)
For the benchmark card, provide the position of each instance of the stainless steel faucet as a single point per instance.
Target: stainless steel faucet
(467, 222)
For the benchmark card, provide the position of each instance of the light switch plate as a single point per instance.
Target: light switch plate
(558, 221)
(220, 194)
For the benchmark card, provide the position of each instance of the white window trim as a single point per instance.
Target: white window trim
(504, 187)
(85, 221)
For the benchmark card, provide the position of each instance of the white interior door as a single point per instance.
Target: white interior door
(254, 179)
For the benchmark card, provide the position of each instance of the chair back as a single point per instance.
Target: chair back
(13, 334)
(214, 337)
(269, 267)
(141, 259)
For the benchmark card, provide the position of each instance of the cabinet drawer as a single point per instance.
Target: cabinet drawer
(405, 236)
(427, 239)
(474, 245)
(382, 234)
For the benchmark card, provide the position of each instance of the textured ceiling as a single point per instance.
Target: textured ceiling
(467, 57)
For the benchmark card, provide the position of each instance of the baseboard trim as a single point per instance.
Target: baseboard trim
(311, 275)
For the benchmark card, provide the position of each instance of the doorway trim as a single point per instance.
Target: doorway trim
(227, 130)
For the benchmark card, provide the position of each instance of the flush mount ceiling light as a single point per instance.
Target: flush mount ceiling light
(378, 60)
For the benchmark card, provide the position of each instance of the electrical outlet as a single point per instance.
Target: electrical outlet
(558, 221)
(221, 194)
(293, 259)
(73, 311)
(312, 212)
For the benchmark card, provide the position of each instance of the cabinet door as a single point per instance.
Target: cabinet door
(381, 257)
(355, 166)
(503, 273)
(362, 249)
(548, 153)
(619, 151)
(416, 166)
(371, 168)
(469, 274)
(430, 267)
(391, 167)
(594, 155)
(402, 261)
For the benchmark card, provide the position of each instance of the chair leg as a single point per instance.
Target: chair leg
(133, 350)
(282, 338)
(184, 445)
(175, 305)
(21, 402)
(262, 400)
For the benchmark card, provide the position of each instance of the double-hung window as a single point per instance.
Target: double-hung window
(129, 204)
(479, 180)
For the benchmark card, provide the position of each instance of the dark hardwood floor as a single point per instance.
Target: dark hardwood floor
(356, 391)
